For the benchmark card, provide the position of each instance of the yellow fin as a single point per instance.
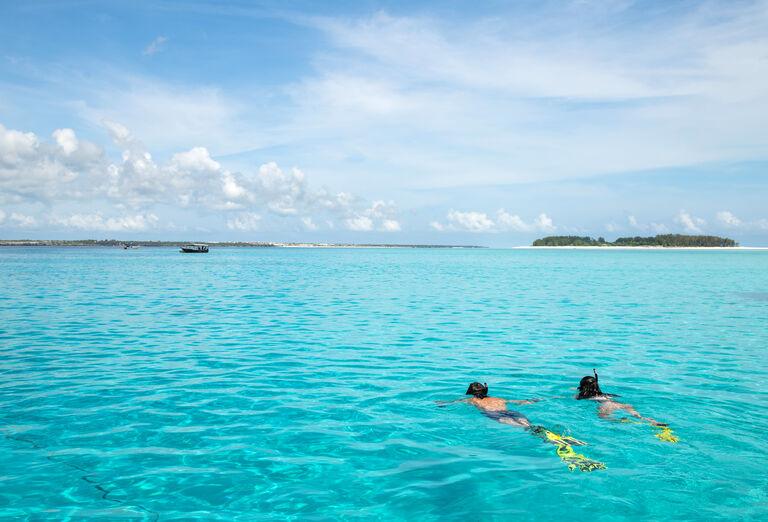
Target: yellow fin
(576, 460)
(666, 435)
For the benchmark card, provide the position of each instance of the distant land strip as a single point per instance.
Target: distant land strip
(261, 244)
(663, 240)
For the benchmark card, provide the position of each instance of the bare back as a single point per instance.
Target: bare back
(496, 409)
(489, 403)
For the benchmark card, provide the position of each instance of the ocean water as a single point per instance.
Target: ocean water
(300, 384)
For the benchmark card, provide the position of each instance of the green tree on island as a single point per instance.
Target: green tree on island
(663, 240)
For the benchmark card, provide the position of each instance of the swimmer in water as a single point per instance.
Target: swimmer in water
(496, 408)
(589, 389)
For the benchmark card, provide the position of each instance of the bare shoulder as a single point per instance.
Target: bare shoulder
(490, 403)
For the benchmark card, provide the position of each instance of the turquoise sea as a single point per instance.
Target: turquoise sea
(300, 384)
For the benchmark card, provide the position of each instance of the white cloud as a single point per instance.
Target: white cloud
(470, 221)
(512, 222)
(544, 223)
(569, 91)
(480, 222)
(352, 95)
(32, 169)
(66, 140)
(119, 132)
(196, 159)
(247, 221)
(23, 220)
(689, 223)
(169, 116)
(231, 188)
(97, 222)
(390, 225)
(16, 147)
(381, 209)
(478, 55)
(155, 46)
(359, 223)
(286, 193)
(2, 216)
(286, 189)
(194, 177)
(462, 95)
(728, 219)
(695, 225)
(70, 169)
(380, 214)
(308, 223)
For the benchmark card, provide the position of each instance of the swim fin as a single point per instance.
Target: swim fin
(576, 460)
(566, 452)
(666, 435)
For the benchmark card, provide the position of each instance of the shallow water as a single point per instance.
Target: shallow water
(300, 383)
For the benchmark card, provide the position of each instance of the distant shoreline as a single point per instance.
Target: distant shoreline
(167, 244)
(113, 243)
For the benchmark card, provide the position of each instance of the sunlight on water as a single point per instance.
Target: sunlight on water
(290, 383)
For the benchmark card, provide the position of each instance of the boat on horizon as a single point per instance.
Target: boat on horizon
(195, 248)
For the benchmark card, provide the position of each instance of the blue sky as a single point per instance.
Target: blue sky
(399, 122)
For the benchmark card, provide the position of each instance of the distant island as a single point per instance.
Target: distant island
(259, 244)
(664, 240)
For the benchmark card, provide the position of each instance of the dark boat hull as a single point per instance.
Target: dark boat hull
(193, 251)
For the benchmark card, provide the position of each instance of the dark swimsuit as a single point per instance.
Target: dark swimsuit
(506, 414)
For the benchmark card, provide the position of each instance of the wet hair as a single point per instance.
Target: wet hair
(589, 387)
(478, 390)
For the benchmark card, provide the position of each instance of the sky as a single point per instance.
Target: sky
(486, 123)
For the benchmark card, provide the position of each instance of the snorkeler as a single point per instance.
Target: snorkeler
(496, 408)
(589, 388)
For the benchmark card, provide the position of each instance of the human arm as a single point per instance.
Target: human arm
(538, 399)
(443, 404)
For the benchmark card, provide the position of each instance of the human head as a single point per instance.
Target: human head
(478, 390)
(589, 387)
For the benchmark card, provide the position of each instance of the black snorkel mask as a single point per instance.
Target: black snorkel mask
(589, 387)
(478, 390)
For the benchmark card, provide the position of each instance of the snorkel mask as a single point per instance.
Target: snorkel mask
(589, 387)
(480, 391)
